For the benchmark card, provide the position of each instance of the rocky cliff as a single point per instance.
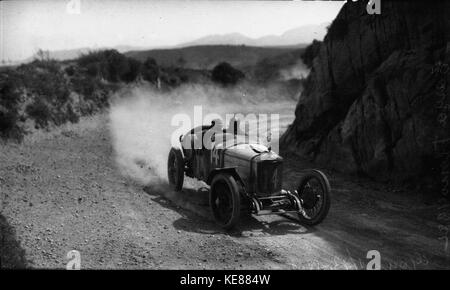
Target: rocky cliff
(377, 100)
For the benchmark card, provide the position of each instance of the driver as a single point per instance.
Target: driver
(216, 125)
(208, 136)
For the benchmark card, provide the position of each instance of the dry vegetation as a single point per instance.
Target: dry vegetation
(47, 93)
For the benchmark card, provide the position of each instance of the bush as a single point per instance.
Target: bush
(63, 115)
(173, 77)
(134, 70)
(84, 85)
(41, 89)
(45, 79)
(117, 66)
(9, 129)
(93, 70)
(109, 64)
(170, 80)
(93, 57)
(225, 74)
(9, 106)
(70, 70)
(150, 70)
(40, 112)
(9, 93)
(71, 116)
(92, 90)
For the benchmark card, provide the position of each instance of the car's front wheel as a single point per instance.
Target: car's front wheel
(175, 169)
(225, 200)
(314, 194)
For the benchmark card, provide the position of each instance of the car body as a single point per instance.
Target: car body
(245, 176)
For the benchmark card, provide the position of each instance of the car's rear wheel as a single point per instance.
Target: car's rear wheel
(175, 169)
(314, 194)
(225, 200)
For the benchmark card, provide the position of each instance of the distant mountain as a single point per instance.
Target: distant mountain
(269, 45)
(221, 39)
(303, 34)
(207, 56)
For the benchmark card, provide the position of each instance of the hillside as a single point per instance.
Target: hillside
(72, 54)
(47, 92)
(207, 56)
(376, 100)
(283, 66)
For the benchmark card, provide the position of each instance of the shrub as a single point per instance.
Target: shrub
(93, 69)
(84, 85)
(150, 70)
(173, 77)
(170, 80)
(9, 129)
(134, 70)
(40, 112)
(91, 57)
(108, 64)
(45, 79)
(70, 70)
(63, 115)
(225, 74)
(9, 93)
(47, 84)
(92, 90)
(9, 105)
(117, 65)
(71, 115)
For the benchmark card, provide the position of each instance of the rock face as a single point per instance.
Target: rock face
(377, 98)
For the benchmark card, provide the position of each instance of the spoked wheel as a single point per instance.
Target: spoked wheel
(175, 169)
(314, 194)
(224, 200)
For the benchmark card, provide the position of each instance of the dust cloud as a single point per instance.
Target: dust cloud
(140, 121)
(297, 71)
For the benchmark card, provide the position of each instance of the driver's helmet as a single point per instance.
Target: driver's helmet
(217, 125)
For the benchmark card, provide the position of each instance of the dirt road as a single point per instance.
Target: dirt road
(62, 192)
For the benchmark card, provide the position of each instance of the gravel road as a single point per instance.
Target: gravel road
(61, 191)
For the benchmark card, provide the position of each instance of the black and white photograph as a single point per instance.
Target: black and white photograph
(237, 136)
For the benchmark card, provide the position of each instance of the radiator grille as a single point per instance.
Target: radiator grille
(269, 177)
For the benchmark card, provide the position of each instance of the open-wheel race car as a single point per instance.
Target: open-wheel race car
(245, 177)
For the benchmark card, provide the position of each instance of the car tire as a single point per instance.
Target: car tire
(309, 203)
(175, 169)
(225, 200)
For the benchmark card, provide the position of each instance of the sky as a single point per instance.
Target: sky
(26, 26)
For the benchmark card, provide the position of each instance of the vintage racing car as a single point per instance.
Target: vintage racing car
(245, 177)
